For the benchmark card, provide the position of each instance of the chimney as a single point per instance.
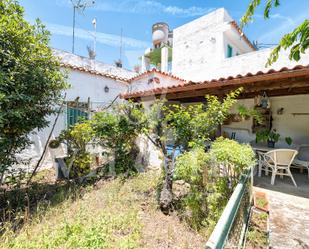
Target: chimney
(164, 59)
(91, 53)
(118, 63)
(145, 64)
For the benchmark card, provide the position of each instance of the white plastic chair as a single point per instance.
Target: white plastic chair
(279, 161)
(302, 158)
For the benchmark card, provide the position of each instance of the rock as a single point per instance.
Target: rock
(180, 189)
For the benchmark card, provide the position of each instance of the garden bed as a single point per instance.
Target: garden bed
(258, 231)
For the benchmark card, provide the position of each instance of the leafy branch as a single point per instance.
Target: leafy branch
(297, 40)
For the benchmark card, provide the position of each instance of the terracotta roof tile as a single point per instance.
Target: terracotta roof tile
(83, 69)
(248, 77)
(154, 70)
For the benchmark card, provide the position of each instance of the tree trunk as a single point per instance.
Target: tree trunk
(166, 195)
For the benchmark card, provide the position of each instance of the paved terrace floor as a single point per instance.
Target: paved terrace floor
(289, 210)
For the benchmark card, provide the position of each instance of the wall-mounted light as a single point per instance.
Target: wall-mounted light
(280, 111)
(212, 39)
(106, 89)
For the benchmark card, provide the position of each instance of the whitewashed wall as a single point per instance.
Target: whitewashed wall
(200, 51)
(83, 85)
(143, 84)
(86, 85)
(288, 125)
(246, 63)
(202, 44)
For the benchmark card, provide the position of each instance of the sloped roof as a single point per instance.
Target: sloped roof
(299, 70)
(235, 25)
(84, 64)
(154, 70)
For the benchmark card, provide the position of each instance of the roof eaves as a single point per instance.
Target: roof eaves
(249, 77)
(83, 69)
(238, 29)
(154, 70)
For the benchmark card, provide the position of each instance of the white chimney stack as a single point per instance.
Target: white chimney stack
(145, 64)
(164, 59)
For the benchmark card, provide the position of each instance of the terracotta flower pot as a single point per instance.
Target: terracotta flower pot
(261, 201)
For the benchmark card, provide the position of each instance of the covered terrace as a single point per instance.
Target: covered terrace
(287, 92)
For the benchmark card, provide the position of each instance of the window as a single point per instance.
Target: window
(74, 115)
(229, 51)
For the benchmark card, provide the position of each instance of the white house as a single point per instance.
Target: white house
(211, 55)
(94, 85)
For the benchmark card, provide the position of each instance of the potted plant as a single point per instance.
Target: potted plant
(246, 113)
(289, 140)
(271, 137)
(261, 136)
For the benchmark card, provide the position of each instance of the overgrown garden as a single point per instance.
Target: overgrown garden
(186, 137)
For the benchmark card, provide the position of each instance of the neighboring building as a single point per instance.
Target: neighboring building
(93, 86)
(205, 43)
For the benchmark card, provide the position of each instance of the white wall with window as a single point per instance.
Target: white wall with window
(100, 90)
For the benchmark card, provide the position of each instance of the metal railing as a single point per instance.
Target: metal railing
(232, 225)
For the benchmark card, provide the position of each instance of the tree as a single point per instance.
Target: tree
(30, 81)
(297, 40)
(184, 127)
(117, 131)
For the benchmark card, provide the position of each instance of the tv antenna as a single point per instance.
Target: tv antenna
(119, 61)
(120, 49)
(94, 23)
(80, 6)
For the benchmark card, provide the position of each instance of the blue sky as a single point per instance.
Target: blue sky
(135, 18)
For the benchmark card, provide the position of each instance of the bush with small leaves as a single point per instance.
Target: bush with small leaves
(77, 138)
(212, 176)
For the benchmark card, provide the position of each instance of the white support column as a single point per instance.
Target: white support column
(164, 59)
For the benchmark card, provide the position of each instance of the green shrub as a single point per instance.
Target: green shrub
(231, 154)
(117, 132)
(77, 138)
(212, 177)
(190, 166)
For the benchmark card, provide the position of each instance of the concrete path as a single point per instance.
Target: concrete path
(289, 212)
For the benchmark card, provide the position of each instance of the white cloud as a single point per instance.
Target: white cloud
(285, 18)
(287, 25)
(144, 7)
(103, 38)
(277, 16)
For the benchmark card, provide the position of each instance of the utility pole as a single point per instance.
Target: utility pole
(79, 5)
(74, 10)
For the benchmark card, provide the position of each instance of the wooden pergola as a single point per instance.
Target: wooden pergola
(275, 83)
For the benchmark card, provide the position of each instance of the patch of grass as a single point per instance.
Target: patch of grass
(105, 217)
(257, 236)
(261, 202)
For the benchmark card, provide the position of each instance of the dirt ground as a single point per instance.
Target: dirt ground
(161, 231)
